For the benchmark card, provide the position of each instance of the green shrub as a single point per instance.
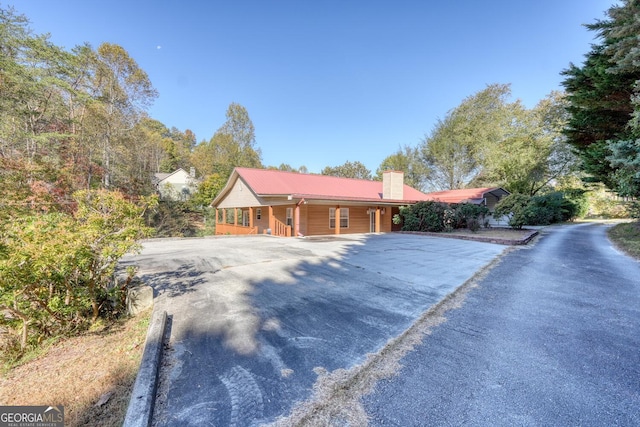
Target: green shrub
(437, 216)
(545, 210)
(424, 216)
(173, 219)
(540, 210)
(473, 224)
(514, 206)
(604, 204)
(57, 269)
(634, 209)
(579, 202)
(467, 215)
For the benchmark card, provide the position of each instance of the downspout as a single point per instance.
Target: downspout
(297, 218)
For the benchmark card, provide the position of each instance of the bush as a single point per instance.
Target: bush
(469, 216)
(634, 209)
(437, 216)
(57, 269)
(174, 219)
(546, 209)
(514, 206)
(540, 210)
(604, 204)
(579, 201)
(424, 216)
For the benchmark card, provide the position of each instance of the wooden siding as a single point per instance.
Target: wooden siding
(491, 201)
(394, 227)
(317, 220)
(240, 196)
(386, 224)
(263, 222)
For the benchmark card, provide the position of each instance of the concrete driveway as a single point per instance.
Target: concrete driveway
(257, 321)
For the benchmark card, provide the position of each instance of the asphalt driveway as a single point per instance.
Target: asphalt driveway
(256, 321)
(550, 337)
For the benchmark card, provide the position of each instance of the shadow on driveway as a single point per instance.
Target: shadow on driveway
(257, 320)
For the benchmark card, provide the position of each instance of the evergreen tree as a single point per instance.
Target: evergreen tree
(602, 94)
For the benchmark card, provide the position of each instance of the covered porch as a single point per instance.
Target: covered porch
(305, 218)
(246, 221)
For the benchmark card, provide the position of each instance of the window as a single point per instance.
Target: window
(259, 213)
(289, 217)
(344, 217)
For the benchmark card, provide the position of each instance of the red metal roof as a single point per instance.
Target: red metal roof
(266, 182)
(464, 195)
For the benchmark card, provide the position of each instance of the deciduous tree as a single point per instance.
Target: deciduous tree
(455, 149)
(348, 170)
(406, 159)
(231, 146)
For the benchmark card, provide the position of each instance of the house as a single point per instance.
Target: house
(294, 204)
(177, 185)
(259, 201)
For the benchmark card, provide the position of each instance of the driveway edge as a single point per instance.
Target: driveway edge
(509, 242)
(143, 396)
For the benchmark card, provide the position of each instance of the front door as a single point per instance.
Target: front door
(245, 218)
(372, 221)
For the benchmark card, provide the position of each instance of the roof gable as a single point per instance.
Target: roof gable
(179, 175)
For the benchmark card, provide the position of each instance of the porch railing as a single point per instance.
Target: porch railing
(235, 229)
(281, 229)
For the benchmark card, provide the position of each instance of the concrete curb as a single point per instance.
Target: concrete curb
(509, 242)
(143, 396)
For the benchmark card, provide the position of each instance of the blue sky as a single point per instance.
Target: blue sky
(328, 81)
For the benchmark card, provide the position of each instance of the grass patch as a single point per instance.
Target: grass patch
(626, 236)
(91, 375)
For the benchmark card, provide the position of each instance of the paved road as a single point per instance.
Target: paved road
(257, 320)
(550, 337)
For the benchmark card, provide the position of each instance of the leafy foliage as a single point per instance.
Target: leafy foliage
(515, 207)
(437, 216)
(489, 141)
(406, 159)
(57, 269)
(604, 101)
(454, 150)
(348, 170)
(545, 209)
(232, 145)
(174, 219)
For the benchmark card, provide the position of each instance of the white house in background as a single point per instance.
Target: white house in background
(177, 185)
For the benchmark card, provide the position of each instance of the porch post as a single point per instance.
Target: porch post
(377, 227)
(216, 217)
(250, 217)
(235, 216)
(337, 220)
(296, 220)
(272, 220)
(224, 216)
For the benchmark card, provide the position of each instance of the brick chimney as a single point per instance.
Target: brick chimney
(393, 185)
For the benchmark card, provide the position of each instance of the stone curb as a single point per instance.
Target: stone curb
(143, 396)
(509, 242)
